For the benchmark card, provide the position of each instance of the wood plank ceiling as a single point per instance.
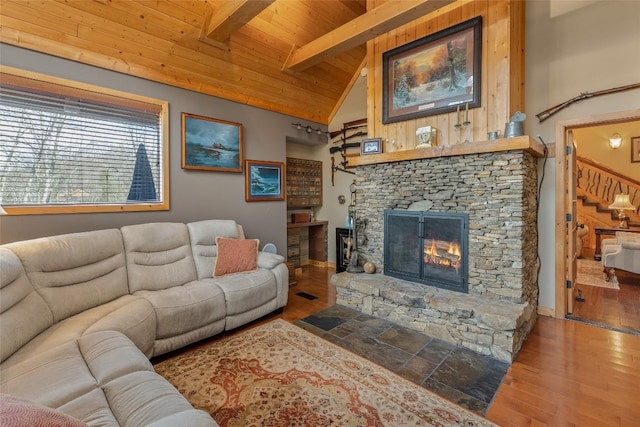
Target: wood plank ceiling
(252, 52)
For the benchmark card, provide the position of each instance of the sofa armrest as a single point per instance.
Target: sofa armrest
(630, 244)
(269, 260)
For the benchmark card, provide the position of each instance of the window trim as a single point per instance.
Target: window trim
(33, 80)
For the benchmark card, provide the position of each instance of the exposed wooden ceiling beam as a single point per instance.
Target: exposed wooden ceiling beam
(375, 22)
(226, 17)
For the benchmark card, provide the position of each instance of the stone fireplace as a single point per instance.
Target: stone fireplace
(497, 191)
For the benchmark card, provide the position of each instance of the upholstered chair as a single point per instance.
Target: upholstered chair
(622, 253)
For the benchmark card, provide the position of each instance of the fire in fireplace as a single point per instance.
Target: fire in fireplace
(443, 254)
(427, 247)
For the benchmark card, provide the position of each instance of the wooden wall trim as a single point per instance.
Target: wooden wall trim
(562, 127)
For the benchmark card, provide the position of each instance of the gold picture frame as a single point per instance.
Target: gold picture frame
(211, 144)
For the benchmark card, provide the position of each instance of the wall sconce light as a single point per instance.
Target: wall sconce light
(308, 128)
(615, 141)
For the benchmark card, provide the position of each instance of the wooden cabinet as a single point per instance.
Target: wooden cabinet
(293, 248)
(315, 243)
(304, 183)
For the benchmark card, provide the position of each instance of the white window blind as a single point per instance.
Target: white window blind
(64, 148)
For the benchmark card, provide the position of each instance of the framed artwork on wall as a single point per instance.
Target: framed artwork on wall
(264, 181)
(635, 149)
(371, 146)
(211, 144)
(433, 75)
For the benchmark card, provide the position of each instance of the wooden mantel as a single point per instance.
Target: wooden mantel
(525, 143)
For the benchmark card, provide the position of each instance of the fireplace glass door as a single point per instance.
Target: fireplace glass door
(427, 247)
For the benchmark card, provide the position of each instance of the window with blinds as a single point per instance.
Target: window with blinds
(70, 147)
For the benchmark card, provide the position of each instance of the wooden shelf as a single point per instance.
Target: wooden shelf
(525, 143)
(306, 224)
(304, 183)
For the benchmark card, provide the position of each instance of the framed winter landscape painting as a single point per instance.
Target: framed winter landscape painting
(211, 144)
(433, 75)
(264, 181)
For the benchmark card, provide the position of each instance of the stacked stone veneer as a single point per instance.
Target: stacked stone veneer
(498, 191)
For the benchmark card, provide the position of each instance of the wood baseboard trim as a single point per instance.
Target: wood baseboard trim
(317, 263)
(546, 311)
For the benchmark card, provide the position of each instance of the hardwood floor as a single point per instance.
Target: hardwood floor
(571, 374)
(567, 373)
(615, 308)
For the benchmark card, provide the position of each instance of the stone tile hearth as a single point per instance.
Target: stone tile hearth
(486, 326)
(457, 374)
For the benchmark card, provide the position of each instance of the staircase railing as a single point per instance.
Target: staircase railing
(603, 183)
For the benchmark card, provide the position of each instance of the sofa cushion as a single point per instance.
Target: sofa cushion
(51, 378)
(20, 412)
(141, 398)
(67, 371)
(92, 408)
(101, 379)
(75, 272)
(131, 315)
(190, 417)
(236, 256)
(110, 355)
(245, 292)
(203, 236)
(181, 309)
(23, 312)
(158, 256)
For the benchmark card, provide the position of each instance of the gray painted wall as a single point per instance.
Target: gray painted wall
(590, 48)
(353, 108)
(194, 195)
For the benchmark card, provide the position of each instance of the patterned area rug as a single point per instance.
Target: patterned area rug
(280, 375)
(590, 273)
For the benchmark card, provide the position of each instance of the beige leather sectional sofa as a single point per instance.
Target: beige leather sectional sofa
(81, 314)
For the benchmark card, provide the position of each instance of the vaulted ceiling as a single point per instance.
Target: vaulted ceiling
(296, 57)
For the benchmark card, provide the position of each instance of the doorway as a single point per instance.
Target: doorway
(565, 261)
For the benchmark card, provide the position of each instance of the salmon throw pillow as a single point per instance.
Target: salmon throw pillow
(236, 256)
(16, 412)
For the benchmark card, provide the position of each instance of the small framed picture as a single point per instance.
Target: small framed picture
(635, 149)
(371, 146)
(264, 181)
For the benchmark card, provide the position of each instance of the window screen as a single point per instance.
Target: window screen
(69, 146)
